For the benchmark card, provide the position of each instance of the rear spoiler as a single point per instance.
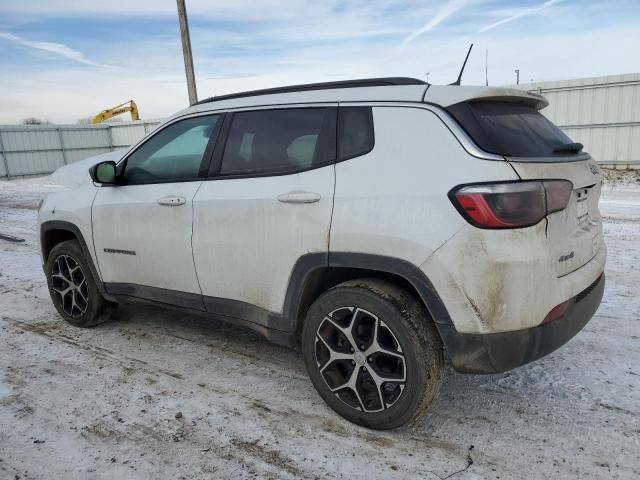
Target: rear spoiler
(447, 95)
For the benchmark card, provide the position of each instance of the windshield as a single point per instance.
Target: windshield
(512, 129)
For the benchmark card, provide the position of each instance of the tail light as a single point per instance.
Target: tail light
(510, 204)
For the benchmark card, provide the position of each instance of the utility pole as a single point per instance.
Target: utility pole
(517, 77)
(486, 67)
(427, 74)
(186, 52)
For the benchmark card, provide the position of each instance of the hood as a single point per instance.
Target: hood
(77, 173)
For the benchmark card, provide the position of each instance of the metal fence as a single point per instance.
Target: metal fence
(603, 113)
(41, 149)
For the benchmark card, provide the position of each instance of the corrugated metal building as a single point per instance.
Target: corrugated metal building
(603, 113)
(41, 149)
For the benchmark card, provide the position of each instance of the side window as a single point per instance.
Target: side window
(356, 132)
(173, 154)
(279, 141)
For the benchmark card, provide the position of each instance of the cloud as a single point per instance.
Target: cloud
(448, 9)
(329, 40)
(56, 48)
(519, 14)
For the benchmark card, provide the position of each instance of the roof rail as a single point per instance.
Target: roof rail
(363, 82)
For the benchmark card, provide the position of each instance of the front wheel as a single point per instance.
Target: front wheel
(372, 353)
(73, 289)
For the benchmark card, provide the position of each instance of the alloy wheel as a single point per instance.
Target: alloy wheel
(70, 286)
(360, 359)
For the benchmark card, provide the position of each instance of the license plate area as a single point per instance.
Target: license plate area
(582, 206)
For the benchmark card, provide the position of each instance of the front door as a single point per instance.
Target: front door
(142, 227)
(267, 204)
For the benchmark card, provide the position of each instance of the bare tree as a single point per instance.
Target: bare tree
(35, 121)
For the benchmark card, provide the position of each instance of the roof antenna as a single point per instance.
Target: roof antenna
(457, 82)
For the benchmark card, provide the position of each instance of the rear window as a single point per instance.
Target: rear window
(510, 129)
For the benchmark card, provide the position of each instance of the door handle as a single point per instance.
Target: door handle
(299, 197)
(172, 201)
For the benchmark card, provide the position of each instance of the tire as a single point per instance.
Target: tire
(409, 353)
(79, 303)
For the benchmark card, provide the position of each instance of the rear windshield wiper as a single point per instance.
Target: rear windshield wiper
(569, 148)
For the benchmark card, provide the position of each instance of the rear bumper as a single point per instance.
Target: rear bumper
(499, 352)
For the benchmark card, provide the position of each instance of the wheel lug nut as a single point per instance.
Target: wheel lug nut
(364, 369)
(353, 362)
(370, 359)
(361, 347)
(352, 350)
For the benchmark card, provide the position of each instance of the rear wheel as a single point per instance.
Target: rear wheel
(372, 353)
(73, 289)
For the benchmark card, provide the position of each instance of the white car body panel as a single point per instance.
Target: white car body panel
(128, 218)
(393, 201)
(503, 280)
(389, 202)
(246, 242)
(73, 206)
(577, 242)
(77, 173)
(446, 95)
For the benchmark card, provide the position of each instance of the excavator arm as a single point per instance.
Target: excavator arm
(129, 106)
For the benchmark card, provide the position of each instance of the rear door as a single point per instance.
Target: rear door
(142, 227)
(267, 203)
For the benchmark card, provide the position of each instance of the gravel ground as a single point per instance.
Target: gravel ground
(162, 394)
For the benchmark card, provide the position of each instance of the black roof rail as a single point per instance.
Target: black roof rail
(362, 82)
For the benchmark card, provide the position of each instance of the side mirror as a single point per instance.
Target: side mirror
(104, 172)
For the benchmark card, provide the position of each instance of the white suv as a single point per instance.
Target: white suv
(378, 225)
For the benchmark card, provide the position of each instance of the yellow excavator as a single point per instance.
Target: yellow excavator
(129, 106)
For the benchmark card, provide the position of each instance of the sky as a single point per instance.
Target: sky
(66, 60)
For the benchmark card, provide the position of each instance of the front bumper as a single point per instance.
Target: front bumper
(499, 352)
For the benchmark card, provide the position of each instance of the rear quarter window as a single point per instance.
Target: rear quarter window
(511, 129)
(356, 132)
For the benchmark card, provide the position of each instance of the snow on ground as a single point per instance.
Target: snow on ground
(105, 402)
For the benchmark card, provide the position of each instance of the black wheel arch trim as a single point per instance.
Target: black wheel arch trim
(310, 263)
(409, 272)
(62, 225)
(402, 268)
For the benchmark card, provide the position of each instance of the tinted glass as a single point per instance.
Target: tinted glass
(175, 153)
(356, 132)
(510, 129)
(278, 141)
